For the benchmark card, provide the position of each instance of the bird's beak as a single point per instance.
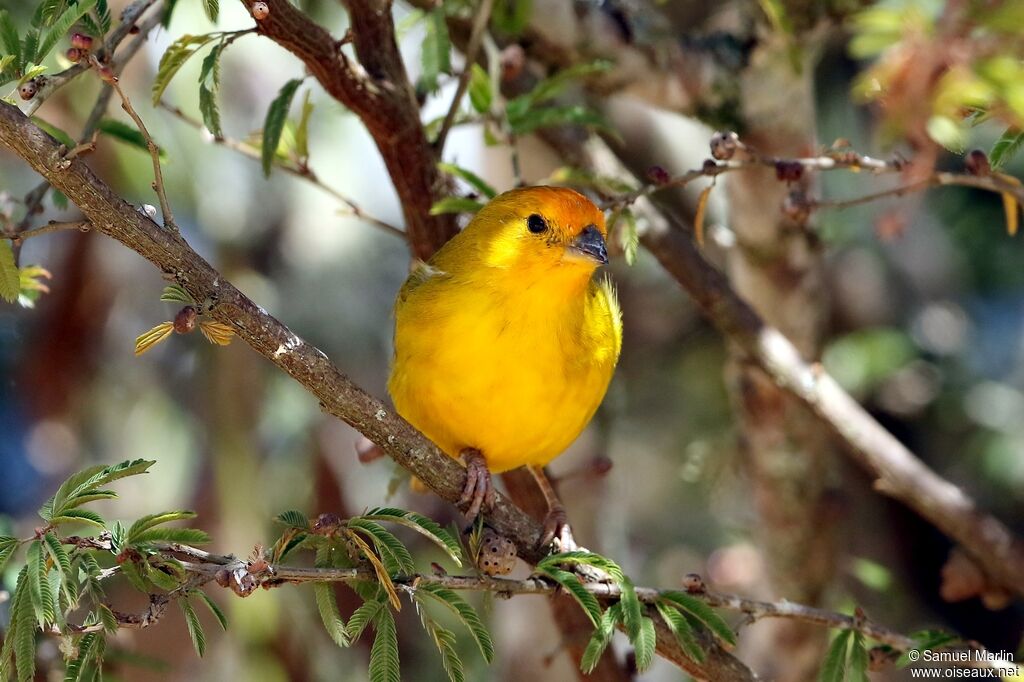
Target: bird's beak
(591, 245)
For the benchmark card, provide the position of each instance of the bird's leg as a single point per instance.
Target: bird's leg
(479, 490)
(556, 522)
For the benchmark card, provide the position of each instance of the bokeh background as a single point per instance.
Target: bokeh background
(926, 328)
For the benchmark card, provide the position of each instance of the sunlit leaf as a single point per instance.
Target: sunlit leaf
(435, 56)
(601, 638)
(273, 125)
(174, 293)
(216, 333)
(195, 628)
(1006, 147)
(704, 613)
(834, 667)
(455, 205)
(378, 567)
(481, 94)
(470, 177)
(212, 9)
(682, 629)
(147, 340)
(384, 662)
(174, 58)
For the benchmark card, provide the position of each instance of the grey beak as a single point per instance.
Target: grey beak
(591, 243)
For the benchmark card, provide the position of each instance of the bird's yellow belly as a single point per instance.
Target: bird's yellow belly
(508, 388)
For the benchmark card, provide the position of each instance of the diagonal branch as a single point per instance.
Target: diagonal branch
(305, 363)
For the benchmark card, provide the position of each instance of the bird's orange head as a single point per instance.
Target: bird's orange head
(538, 231)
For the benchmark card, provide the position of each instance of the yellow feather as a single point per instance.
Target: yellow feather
(504, 342)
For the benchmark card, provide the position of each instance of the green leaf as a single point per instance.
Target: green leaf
(632, 610)
(444, 640)
(39, 586)
(361, 617)
(1006, 147)
(89, 647)
(174, 58)
(600, 639)
(834, 667)
(579, 592)
(455, 205)
(384, 662)
(22, 630)
(859, 659)
(584, 558)
(681, 628)
(209, 87)
(9, 35)
(60, 556)
(704, 614)
(10, 280)
(214, 609)
(435, 56)
(947, 132)
(153, 520)
(546, 117)
(174, 293)
(128, 134)
(555, 85)
(184, 536)
(77, 488)
(195, 628)
(60, 200)
(62, 26)
(465, 613)
(103, 12)
(422, 525)
(630, 237)
(302, 130)
(29, 46)
(165, 574)
(481, 93)
(395, 555)
(8, 546)
(294, 519)
(329, 614)
(47, 11)
(273, 126)
(644, 644)
(108, 618)
(79, 516)
(470, 177)
(55, 132)
(511, 17)
(212, 9)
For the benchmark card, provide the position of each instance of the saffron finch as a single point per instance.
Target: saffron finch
(505, 342)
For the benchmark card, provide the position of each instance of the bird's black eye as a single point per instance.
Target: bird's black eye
(536, 223)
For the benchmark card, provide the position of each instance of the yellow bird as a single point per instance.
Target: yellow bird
(505, 343)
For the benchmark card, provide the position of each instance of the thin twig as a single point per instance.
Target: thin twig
(305, 173)
(205, 566)
(476, 36)
(154, 150)
(52, 226)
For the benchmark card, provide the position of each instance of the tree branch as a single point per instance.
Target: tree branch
(381, 95)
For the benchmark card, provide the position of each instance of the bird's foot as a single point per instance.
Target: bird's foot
(478, 493)
(556, 527)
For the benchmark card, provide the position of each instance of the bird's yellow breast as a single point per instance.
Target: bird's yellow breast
(516, 371)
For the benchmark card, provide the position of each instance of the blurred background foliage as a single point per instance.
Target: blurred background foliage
(926, 328)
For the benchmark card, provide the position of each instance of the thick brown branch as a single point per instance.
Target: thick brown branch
(381, 95)
(337, 394)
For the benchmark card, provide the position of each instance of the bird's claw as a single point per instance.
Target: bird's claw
(478, 493)
(556, 527)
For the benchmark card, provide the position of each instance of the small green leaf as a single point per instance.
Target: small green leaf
(579, 592)
(395, 555)
(630, 237)
(546, 117)
(174, 293)
(153, 520)
(555, 85)
(302, 130)
(329, 614)
(195, 628)
(511, 17)
(435, 57)
(55, 132)
(465, 613)
(1006, 147)
(76, 488)
(600, 639)
(444, 640)
(384, 662)
(294, 519)
(422, 525)
(60, 200)
(585, 558)
(481, 93)
(103, 12)
(183, 536)
(209, 86)
(859, 659)
(632, 610)
(61, 26)
(834, 667)
(704, 613)
(361, 617)
(8, 545)
(273, 126)
(57, 551)
(947, 132)
(212, 9)
(212, 606)
(9, 35)
(79, 516)
(128, 134)
(644, 644)
(470, 177)
(455, 205)
(174, 58)
(681, 628)
(10, 279)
